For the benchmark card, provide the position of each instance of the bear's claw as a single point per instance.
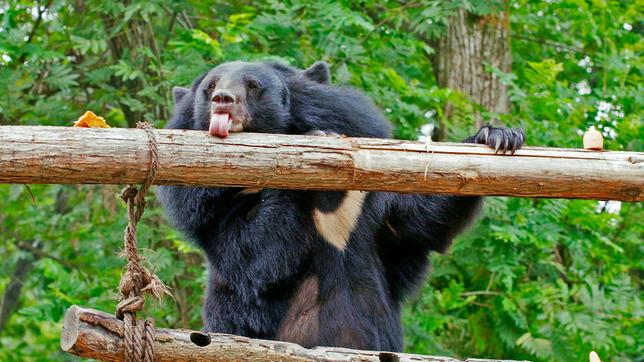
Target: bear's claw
(500, 138)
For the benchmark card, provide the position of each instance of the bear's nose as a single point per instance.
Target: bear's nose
(223, 96)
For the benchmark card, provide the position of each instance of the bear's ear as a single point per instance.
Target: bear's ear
(179, 93)
(318, 72)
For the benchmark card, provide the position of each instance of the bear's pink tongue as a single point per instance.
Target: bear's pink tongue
(219, 124)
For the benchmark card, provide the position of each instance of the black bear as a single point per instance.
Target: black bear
(310, 267)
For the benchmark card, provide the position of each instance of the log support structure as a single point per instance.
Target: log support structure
(65, 155)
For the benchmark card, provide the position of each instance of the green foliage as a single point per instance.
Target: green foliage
(534, 279)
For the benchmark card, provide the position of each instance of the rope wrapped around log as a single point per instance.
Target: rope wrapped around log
(137, 279)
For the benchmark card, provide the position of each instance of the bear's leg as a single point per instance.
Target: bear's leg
(255, 264)
(193, 209)
(438, 219)
(414, 224)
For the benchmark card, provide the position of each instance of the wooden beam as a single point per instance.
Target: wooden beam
(65, 155)
(94, 334)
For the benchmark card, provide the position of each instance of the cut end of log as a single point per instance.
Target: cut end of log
(71, 328)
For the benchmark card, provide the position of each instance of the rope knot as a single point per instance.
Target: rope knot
(129, 193)
(130, 305)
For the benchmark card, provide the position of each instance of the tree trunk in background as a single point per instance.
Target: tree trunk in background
(11, 296)
(470, 44)
(10, 300)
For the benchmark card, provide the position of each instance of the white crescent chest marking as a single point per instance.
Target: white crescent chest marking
(336, 226)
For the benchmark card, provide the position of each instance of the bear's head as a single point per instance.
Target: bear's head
(246, 96)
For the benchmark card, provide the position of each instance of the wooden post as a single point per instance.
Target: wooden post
(66, 155)
(90, 333)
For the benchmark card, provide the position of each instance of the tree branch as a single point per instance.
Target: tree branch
(32, 33)
(549, 43)
(39, 253)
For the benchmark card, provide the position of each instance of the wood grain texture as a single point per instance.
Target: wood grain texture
(94, 334)
(64, 155)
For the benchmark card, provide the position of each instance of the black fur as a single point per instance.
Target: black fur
(262, 246)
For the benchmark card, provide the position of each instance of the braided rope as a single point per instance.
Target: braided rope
(137, 279)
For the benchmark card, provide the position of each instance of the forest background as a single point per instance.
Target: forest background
(536, 279)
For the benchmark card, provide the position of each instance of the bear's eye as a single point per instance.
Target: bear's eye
(252, 84)
(212, 85)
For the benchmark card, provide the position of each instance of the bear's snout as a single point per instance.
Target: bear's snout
(223, 96)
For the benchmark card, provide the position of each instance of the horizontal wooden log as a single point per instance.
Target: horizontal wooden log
(65, 155)
(93, 334)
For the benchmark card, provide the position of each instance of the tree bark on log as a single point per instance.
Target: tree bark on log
(90, 333)
(66, 155)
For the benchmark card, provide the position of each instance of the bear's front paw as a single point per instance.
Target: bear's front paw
(500, 138)
(319, 132)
